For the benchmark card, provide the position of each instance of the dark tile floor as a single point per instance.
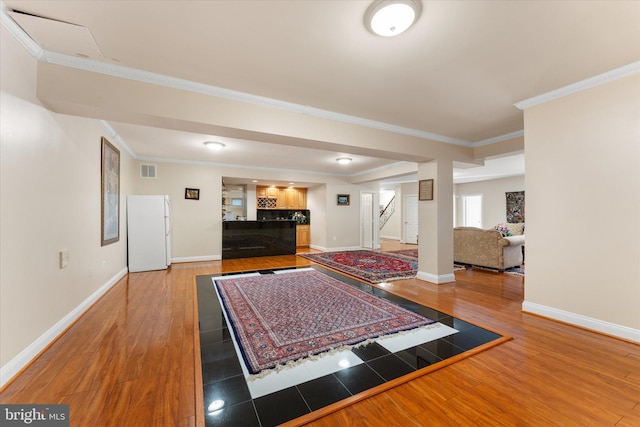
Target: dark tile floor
(224, 382)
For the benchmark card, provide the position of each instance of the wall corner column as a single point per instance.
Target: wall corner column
(435, 224)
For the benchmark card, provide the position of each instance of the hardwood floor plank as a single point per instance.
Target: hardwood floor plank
(131, 360)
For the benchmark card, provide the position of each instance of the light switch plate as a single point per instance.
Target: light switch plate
(64, 258)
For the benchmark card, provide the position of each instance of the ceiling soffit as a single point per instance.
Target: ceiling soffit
(75, 91)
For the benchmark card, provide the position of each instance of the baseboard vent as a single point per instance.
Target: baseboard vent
(147, 171)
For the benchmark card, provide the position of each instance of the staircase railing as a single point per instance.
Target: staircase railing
(388, 210)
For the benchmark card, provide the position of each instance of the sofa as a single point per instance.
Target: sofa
(498, 248)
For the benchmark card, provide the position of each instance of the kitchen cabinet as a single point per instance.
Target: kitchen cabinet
(303, 235)
(281, 202)
(281, 198)
(302, 198)
(292, 198)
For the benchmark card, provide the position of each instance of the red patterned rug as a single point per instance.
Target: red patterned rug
(281, 318)
(413, 253)
(374, 267)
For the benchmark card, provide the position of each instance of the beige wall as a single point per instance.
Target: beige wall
(50, 200)
(494, 202)
(317, 205)
(393, 228)
(583, 207)
(196, 224)
(342, 222)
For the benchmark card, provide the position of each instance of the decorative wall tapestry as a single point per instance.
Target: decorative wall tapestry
(515, 206)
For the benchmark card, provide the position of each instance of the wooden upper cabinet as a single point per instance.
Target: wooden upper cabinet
(292, 198)
(281, 203)
(302, 198)
(286, 198)
(272, 192)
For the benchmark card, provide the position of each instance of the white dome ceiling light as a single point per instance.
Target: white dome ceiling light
(389, 18)
(214, 145)
(344, 160)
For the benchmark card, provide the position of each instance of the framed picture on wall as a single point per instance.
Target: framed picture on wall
(192, 193)
(343, 199)
(425, 189)
(110, 193)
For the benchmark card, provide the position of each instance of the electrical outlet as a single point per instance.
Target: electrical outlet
(64, 258)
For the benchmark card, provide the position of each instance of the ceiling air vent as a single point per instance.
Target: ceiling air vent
(147, 171)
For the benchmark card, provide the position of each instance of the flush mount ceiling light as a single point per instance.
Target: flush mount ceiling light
(213, 145)
(391, 17)
(344, 160)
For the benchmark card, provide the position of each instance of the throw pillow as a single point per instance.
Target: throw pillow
(503, 229)
(516, 228)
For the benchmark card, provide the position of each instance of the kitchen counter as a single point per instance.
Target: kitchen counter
(243, 239)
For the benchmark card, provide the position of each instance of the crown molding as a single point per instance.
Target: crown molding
(609, 76)
(23, 38)
(505, 137)
(237, 166)
(114, 136)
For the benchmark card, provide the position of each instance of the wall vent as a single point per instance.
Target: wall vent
(147, 171)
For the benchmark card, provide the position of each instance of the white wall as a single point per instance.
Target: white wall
(49, 201)
(494, 202)
(583, 208)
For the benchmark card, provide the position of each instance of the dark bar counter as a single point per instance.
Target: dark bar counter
(244, 239)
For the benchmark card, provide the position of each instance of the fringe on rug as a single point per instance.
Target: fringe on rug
(293, 363)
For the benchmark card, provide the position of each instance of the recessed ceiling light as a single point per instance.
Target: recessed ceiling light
(344, 160)
(214, 145)
(255, 180)
(391, 17)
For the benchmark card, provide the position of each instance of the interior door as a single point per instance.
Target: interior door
(411, 219)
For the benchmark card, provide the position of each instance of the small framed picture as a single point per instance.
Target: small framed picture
(343, 199)
(425, 189)
(192, 193)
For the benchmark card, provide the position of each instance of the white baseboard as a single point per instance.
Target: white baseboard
(346, 248)
(585, 322)
(390, 237)
(197, 258)
(8, 371)
(438, 280)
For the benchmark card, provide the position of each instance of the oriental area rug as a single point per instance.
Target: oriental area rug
(280, 319)
(413, 253)
(303, 391)
(374, 267)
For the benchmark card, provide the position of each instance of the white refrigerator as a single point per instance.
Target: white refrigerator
(148, 233)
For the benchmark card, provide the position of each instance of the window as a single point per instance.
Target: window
(472, 210)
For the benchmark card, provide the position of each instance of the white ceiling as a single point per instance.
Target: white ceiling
(453, 77)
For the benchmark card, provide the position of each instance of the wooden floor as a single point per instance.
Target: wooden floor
(130, 361)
